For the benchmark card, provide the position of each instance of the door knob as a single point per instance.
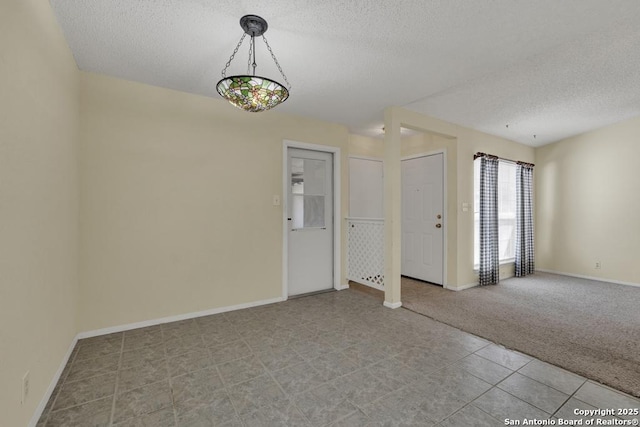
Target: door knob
(438, 225)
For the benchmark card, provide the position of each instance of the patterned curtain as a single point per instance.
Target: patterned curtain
(525, 253)
(489, 243)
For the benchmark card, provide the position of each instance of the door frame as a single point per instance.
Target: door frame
(444, 206)
(337, 209)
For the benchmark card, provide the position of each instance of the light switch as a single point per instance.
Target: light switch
(276, 200)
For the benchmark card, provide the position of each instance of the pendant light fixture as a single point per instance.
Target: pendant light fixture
(250, 92)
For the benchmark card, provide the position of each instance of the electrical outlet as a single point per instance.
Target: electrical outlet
(25, 387)
(598, 265)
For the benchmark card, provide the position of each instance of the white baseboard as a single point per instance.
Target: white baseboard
(463, 287)
(392, 304)
(580, 276)
(153, 322)
(47, 395)
(342, 287)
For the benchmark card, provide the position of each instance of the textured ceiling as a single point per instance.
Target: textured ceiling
(550, 68)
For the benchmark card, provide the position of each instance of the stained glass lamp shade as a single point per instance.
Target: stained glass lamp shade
(247, 91)
(252, 93)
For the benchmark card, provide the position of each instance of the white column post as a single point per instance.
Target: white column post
(392, 212)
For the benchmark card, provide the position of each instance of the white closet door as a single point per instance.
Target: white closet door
(365, 188)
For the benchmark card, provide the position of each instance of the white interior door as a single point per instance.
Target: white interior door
(423, 218)
(310, 221)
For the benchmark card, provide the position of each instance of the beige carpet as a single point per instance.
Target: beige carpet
(588, 327)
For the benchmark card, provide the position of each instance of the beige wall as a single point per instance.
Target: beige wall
(173, 213)
(588, 202)
(38, 203)
(365, 146)
(176, 201)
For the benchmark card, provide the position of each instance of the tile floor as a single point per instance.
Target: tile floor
(337, 359)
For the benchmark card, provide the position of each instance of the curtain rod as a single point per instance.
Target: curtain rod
(479, 154)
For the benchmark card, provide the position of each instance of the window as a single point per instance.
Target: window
(307, 188)
(506, 211)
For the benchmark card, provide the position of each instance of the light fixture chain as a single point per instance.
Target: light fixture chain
(224, 70)
(250, 55)
(276, 61)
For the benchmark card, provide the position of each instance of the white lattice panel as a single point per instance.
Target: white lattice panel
(366, 252)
